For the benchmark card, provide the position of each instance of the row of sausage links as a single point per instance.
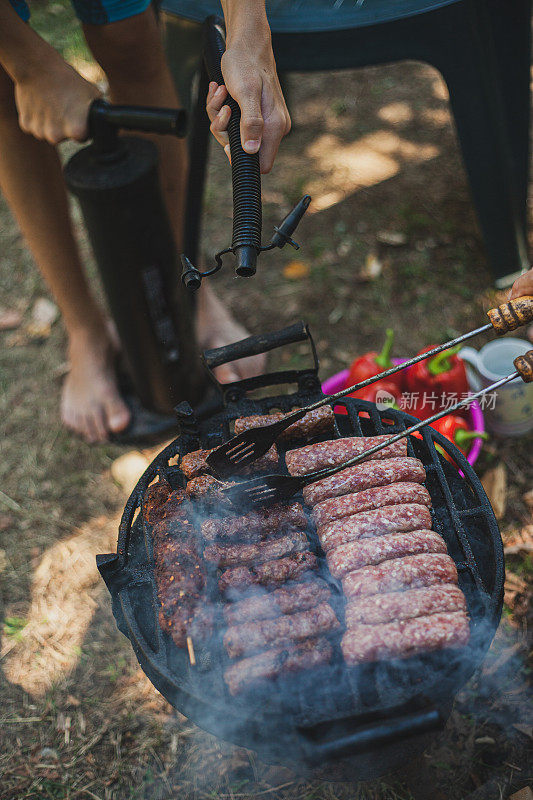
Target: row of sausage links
(369, 499)
(195, 463)
(368, 475)
(376, 609)
(255, 525)
(250, 637)
(405, 638)
(335, 452)
(315, 423)
(278, 661)
(320, 422)
(355, 555)
(398, 518)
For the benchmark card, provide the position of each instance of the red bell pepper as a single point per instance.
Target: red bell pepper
(457, 431)
(435, 383)
(371, 364)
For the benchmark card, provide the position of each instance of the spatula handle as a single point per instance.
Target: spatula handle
(512, 315)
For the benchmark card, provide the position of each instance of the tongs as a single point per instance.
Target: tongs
(271, 489)
(241, 450)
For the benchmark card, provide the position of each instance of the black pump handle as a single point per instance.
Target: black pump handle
(245, 174)
(105, 120)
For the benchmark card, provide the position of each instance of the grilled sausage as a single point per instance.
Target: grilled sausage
(379, 521)
(285, 600)
(253, 636)
(280, 660)
(154, 498)
(228, 555)
(404, 638)
(273, 573)
(379, 608)
(178, 570)
(335, 452)
(365, 476)
(368, 499)
(190, 617)
(354, 555)
(398, 574)
(316, 423)
(255, 525)
(195, 463)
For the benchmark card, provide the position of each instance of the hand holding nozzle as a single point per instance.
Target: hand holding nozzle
(246, 182)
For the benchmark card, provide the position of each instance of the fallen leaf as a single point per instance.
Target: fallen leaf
(392, 238)
(44, 314)
(72, 701)
(495, 484)
(527, 730)
(520, 543)
(128, 468)
(528, 499)
(485, 740)
(372, 269)
(9, 319)
(524, 794)
(296, 270)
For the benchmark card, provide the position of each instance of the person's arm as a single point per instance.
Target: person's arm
(522, 285)
(52, 98)
(249, 71)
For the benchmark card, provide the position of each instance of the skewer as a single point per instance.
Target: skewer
(249, 445)
(190, 649)
(278, 488)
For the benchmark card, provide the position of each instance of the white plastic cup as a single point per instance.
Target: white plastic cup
(510, 413)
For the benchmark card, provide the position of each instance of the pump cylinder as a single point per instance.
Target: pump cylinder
(129, 231)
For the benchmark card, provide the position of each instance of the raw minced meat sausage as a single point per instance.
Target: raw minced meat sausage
(252, 636)
(285, 600)
(368, 499)
(278, 661)
(398, 574)
(404, 638)
(255, 525)
(315, 423)
(379, 608)
(354, 555)
(365, 476)
(367, 524)
(335, 452)
(195, 463)
(272, 573)
(227, 555)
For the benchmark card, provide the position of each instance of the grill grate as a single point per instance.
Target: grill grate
(269, 716)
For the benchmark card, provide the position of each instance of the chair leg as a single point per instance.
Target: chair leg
(492, 122)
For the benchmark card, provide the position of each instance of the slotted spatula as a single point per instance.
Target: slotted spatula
(271, 489)
(241, 450)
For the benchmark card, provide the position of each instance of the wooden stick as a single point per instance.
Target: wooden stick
(190, 648)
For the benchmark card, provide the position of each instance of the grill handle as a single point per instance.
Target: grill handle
(370, 736)
(245, 174)
(255, 345)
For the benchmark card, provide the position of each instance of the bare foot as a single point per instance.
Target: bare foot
(91, 404)
(216, 328)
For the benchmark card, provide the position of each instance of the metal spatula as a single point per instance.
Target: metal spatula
(279, 488)
(241, 450)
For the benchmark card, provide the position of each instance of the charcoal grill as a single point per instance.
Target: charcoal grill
(376, 714)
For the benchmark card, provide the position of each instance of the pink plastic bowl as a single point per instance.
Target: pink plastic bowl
(338, 382)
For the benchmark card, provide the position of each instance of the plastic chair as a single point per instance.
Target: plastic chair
(481, 48)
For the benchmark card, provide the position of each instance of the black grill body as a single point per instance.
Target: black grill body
(377, 714)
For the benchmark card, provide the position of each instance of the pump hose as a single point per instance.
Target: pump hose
(245, 174)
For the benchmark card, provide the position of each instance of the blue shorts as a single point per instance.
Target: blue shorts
(94, 12)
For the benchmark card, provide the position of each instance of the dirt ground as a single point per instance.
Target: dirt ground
(78, 719)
